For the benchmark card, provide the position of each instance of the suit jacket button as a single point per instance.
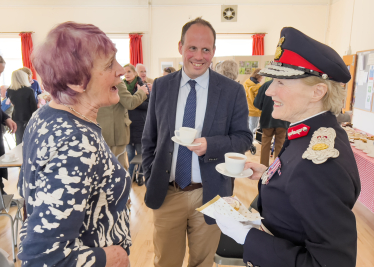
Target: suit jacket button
(170, 153)
(167, 171)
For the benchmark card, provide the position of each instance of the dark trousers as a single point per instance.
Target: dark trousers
(21, 126)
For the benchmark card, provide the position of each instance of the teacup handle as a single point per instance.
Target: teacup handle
(176, 133)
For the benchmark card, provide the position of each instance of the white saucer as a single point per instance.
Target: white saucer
(176, 140)
(221, 168)
(7, 161)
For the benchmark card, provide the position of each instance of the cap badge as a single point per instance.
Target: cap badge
(321, 146)
(298, 131)
(279, 51)
(324, 76)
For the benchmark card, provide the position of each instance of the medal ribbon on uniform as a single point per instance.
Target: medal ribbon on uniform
(268, 174)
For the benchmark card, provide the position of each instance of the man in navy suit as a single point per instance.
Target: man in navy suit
(180, 179)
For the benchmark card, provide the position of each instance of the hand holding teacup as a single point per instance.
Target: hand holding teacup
(201, 149)
(257, 168)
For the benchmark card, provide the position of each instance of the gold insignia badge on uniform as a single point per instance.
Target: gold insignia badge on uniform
(278, 51)
(321, 146)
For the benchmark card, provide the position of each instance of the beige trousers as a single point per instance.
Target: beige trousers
(267, 135)
(123, 158)
(177, 219)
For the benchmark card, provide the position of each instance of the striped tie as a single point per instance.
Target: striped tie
(183, 170)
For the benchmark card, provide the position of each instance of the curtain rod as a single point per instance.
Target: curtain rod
(17, 32)
(242, 33)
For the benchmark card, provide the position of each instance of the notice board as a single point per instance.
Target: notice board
(364, 81)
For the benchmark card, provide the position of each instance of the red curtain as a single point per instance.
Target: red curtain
(27, 47)
(136, 50)
(258, 44)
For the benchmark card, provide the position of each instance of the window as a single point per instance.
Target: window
(233, 47)
(10, 50)
(123, 49)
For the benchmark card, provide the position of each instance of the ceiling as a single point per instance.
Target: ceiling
(26, 3)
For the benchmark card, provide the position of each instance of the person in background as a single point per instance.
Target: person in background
(134, 83)
(142, 73)
(74, 187)
(179, 178)
(23, 99)
(34, 83)
(6, 105)
(115, 123)
(168, 70)
(228, 68)
(251, 87)
(5, 120)
(270, 126)
(306, 196)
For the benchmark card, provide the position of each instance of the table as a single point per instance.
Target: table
(17, 151)
(365, 165)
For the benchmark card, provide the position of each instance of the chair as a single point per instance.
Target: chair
(137, 161)
(19, 202)
(5, 201)
(229, 252)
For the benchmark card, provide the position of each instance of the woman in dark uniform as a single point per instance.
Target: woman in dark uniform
(306, 196)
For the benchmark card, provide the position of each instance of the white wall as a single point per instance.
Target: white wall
(167, 22)
(41, 19)
(357, 14)
(162, 25)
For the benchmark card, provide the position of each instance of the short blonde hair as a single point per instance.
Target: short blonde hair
(26, 70)
(19, 79)
(228, 68)
(333, 99)
(131, 67)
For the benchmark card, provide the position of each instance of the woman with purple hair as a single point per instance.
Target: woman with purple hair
(75, 188)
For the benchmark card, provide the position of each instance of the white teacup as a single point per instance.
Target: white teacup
(186, 135)
(9, 157)
(234, 162)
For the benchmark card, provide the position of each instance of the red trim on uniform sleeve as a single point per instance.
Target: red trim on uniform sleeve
(291, 58)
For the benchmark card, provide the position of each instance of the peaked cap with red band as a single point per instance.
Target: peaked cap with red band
(299, 56)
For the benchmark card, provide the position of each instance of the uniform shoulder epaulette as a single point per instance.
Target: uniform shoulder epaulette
(321, 146)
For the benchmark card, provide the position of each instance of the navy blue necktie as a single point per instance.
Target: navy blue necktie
(183, 170)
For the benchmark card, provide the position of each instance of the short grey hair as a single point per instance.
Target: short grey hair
(19, 79)
(228, 68)
(139, 65)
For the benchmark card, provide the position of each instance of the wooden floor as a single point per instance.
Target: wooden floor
(142, 226)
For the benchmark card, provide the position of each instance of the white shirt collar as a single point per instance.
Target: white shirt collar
(202, 81)
(308, 118)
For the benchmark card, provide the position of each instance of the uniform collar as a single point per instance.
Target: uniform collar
(295, 123)
(202, 81)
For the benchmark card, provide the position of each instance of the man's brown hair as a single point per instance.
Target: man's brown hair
(200, 21)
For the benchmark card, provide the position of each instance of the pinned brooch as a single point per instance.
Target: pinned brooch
(321, 146)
